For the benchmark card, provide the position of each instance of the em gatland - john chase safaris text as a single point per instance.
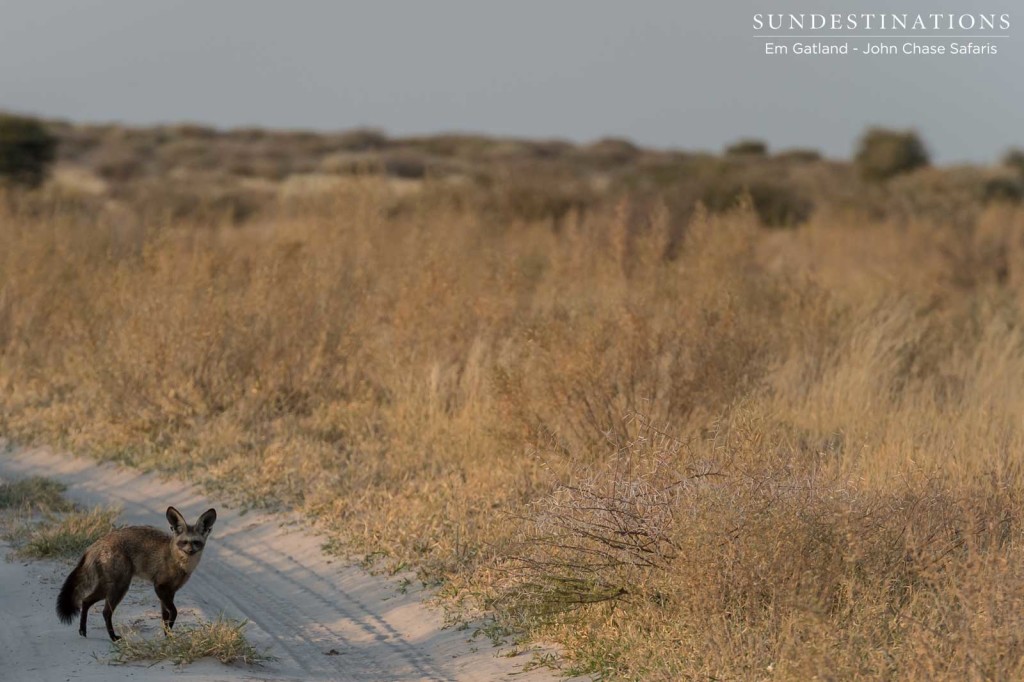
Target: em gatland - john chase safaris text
(875, 33)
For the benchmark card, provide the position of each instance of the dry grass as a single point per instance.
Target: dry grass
(22, 503)
(33, 494)
(684, 450)
(42, 524)
(63, 536)
(222, 639)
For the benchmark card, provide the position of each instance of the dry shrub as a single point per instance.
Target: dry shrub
(457, 146)
(117, 162)
(747, 148)
(199, 199)
(608, 152)
(361, 140)
(1014, 159)
(799, 155)
(999, 189)
(405, 165)
(748, 553)
(27, 150)
(882, 154)
(531, 193)
(955, 196)
(777, 204)
(602, 535)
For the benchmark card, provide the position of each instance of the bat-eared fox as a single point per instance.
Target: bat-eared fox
(106, 569)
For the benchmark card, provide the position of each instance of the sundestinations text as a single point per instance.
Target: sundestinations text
(879, 21)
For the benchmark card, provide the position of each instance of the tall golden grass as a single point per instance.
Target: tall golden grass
(738, 454)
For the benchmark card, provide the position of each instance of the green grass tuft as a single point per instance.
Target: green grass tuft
(223, 639)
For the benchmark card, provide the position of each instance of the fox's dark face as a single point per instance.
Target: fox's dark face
(189, 540)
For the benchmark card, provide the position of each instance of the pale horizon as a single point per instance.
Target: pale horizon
(659, 74)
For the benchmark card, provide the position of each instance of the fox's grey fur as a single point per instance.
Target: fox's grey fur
(106, 569)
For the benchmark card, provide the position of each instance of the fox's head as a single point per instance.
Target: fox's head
(188, 541)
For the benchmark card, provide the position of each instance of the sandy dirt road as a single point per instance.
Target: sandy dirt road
(322, 619)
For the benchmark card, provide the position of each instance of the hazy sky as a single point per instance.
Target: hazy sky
(668, 73)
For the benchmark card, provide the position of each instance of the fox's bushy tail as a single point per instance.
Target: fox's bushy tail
(67, 607)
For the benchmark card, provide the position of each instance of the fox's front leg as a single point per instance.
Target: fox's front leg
(168, 611)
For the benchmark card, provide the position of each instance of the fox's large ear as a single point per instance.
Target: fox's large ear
(206, 521)
(176, 520)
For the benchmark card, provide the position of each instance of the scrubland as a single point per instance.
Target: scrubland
(684, 443)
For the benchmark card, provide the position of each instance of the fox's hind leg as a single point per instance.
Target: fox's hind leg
(115, 593)
(87, 603)
(167, 609)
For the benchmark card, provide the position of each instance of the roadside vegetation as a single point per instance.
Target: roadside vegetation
(40, 523)
(684, 438)
(33, 494)
(222, 639)
(63, 536)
